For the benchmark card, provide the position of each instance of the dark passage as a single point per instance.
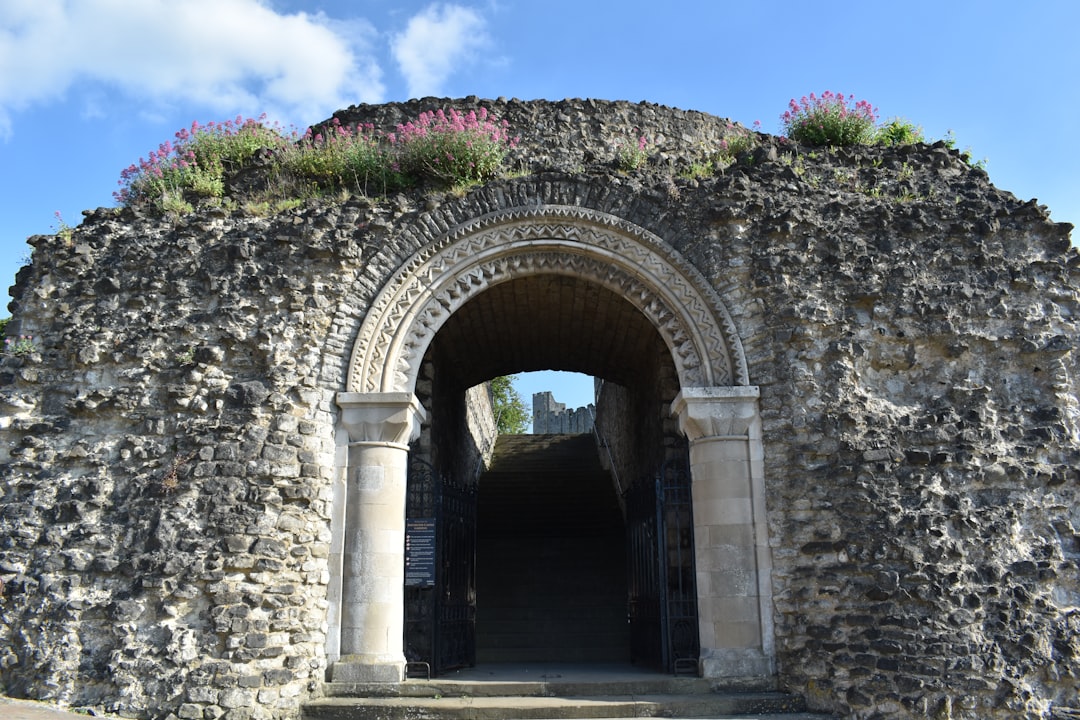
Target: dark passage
(550, 560)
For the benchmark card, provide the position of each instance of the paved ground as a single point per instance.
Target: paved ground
(29, 710)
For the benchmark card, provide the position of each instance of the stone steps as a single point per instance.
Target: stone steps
(551, 581)
(523, 453)
(712, 705)
(494, 692)
(550, 683)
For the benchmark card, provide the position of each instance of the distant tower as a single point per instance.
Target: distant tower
(553, 417)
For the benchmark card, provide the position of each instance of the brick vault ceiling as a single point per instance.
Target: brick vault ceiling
(547, 322)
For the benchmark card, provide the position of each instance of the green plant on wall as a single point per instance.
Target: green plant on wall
(830, 119)
(965, 154)
(353, 158)
(445, 148)
(63, 230)
(898, 131)
(713, 159)
(452, 148)
(631, 153)
(18, 346)
(196, 164)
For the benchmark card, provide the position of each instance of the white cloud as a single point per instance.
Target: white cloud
(226, 55)
(435, 43)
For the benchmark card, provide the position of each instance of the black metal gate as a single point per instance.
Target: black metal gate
(440, 612)
(661, 583)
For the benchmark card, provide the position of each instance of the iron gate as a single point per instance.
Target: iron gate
(662, 591)
(440, 617)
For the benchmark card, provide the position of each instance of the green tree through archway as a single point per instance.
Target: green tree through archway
(512, 416)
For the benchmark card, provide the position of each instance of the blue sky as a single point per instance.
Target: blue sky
(89, 86)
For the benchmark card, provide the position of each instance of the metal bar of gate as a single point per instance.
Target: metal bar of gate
(681, 643)
(662, 572)
(436, 609)
(420, 625)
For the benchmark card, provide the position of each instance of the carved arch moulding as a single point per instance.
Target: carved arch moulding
(550, 240)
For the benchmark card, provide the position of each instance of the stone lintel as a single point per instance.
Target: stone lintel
(716, 412)
(381, 417)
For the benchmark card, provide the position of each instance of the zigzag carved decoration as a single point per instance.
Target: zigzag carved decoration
(550, 239)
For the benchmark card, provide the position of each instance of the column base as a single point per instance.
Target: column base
(734, 668)
(367, 669)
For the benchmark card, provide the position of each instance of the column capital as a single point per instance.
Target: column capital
(722, 411)
(388, 418)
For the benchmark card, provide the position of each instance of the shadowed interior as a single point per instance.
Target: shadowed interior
(551, 564)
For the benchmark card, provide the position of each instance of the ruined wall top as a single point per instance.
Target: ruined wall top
(567, 134)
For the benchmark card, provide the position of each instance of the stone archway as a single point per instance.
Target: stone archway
(717, 410)
(556, 239)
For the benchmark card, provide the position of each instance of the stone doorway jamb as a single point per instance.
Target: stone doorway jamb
(733, 562)
(380, 427)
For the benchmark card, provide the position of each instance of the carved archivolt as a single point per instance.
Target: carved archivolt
(547, 239)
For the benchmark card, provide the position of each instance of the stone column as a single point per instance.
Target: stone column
(380, 427)
(732, 556)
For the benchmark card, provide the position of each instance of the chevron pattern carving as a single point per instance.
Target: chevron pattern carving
(547, 239)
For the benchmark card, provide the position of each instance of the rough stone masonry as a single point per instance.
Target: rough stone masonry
(172, 453)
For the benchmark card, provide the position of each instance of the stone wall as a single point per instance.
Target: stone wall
(458, 435)
(169, 454)
(480, 419)
(635, 427)
(169, 458)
